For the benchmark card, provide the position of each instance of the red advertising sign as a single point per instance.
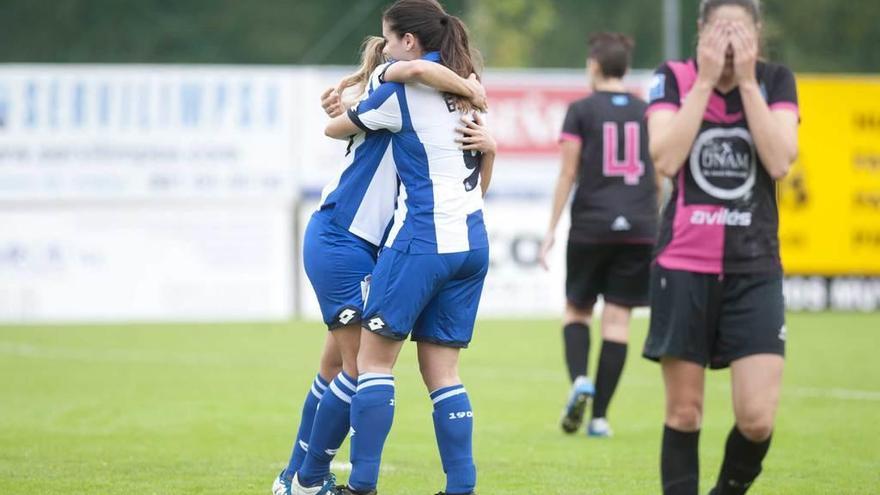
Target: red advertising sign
(527, 118)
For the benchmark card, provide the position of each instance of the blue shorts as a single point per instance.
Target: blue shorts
(337, 262)
(434, 296)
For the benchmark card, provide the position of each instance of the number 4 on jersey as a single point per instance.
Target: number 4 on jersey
(631, 168)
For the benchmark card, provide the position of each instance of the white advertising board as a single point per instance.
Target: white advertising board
(145, 262)
(139, 132)
(132, 192)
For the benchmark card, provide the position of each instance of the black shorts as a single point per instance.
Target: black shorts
(619, 272)
(713, 320)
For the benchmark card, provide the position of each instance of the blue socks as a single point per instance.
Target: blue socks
(454, 428)
(329, 430)
(372, 412)
(301, 446)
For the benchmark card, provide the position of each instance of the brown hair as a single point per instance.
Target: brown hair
(436, 31)
(753, 7)
(371, 57)
(613, 53)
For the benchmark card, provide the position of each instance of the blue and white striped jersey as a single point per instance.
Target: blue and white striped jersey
(440, 204)
(361, 198)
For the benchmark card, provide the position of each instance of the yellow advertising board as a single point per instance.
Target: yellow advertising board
(830, 202)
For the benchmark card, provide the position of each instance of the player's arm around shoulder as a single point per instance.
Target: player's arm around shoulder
(341, 127)
(380, 110)
(438, 77)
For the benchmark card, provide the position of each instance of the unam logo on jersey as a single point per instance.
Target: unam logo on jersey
(723, 163)
(722, 159)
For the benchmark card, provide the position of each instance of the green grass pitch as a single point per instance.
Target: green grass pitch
(212, 409)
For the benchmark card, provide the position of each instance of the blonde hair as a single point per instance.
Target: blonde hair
(371, 57)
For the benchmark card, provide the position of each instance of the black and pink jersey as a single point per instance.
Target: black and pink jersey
(616, 196)
(722, 216)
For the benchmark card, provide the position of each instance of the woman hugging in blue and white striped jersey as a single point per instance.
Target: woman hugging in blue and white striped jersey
(429, 278)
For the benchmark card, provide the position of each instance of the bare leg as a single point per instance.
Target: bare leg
(331, 358)
(438, 365)
(615, 323)
(348, 341)
(756, 386)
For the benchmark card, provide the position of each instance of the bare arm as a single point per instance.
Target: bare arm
(438, 77)
(660, 184)
(341, 127)
(672, 133)
(774, 131)
(571, 159)
(486, 166)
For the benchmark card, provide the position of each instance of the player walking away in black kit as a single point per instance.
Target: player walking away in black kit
(613, 225)
(724, 128)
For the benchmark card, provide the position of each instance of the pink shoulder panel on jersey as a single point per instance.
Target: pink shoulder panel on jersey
(567, 136)
(786, 105)
(685, 77)
(661, 105)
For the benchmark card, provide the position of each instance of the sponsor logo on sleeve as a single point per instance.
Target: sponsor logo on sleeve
(658, 87)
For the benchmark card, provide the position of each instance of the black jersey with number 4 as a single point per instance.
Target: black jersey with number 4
(722, 217)
(616, 198)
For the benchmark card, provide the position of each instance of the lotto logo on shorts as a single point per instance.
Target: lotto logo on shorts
(346, 315)
(375, 324)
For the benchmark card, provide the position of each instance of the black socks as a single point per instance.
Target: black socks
(611, 360)
(680, 462)
(577, 348)
(742, 463)
(680, 465)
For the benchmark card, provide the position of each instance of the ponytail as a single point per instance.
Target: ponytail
(436, 31)
(455, 50)
(371, 57)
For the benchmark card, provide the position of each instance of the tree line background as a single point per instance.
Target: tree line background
(808, 35)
